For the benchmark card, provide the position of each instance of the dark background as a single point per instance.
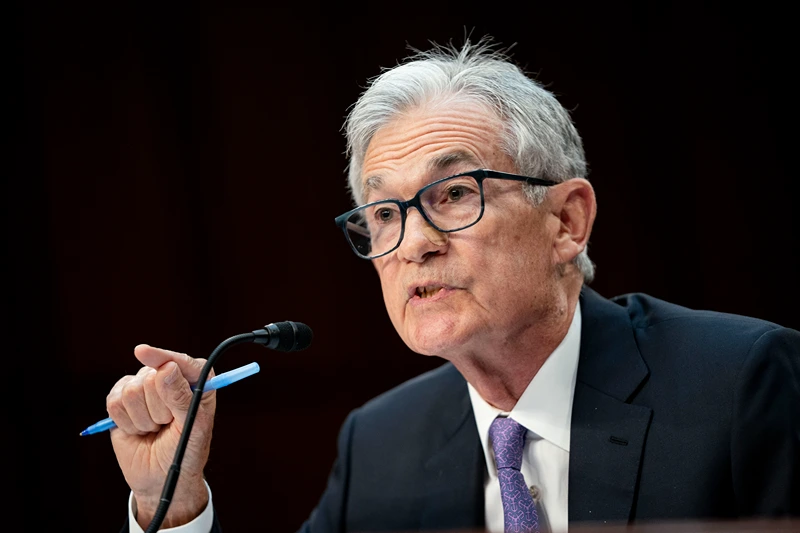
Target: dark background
(176, 171)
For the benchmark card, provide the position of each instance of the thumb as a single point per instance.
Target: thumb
(174, 373)
(173, 388)
(156, 358)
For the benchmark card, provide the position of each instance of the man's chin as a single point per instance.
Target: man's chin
(429, 341)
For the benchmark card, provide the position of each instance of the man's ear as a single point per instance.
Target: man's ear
(574, 204)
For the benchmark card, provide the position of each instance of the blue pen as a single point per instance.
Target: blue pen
(217, 382)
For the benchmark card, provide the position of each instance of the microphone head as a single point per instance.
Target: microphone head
(291, 336)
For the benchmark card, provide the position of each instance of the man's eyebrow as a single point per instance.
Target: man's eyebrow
(373, 183)
(445, 161)
(438, 163)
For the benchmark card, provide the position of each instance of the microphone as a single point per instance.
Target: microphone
(285, 336)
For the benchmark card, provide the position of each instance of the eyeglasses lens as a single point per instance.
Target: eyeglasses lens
(450, 205)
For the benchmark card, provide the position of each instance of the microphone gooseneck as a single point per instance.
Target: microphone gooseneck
(282, 336)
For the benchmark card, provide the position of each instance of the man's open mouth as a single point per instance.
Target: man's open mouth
(427, 292)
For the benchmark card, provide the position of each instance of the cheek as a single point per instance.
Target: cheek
(511, 262)
(391, 292)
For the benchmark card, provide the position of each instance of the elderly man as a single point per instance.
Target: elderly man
(556, 406)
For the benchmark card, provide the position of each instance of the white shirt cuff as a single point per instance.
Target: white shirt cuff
(201, 524)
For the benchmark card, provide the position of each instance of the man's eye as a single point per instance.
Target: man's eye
(456, 193)
(384, 215)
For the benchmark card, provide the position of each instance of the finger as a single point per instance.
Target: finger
(116, 409)
(133, 399)
(159, 411)
(174, 389)
(157, 357)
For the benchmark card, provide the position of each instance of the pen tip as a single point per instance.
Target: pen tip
(82, 434)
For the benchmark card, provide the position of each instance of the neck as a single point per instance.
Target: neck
(501, 372)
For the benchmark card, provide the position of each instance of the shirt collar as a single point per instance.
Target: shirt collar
(545, 407)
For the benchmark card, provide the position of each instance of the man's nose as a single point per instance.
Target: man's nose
(421, 239)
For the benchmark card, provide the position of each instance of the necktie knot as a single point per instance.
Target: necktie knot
(508, 440)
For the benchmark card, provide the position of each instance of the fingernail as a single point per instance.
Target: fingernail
(172, 376)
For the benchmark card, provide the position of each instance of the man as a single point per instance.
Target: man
(557, 406)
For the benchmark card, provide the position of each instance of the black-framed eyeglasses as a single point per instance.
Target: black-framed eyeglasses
(450, 204)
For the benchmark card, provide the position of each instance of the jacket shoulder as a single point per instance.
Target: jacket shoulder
(437, 386)
(646, 311)
(702, 346)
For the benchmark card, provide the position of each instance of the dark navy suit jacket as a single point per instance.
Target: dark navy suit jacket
(677, 414)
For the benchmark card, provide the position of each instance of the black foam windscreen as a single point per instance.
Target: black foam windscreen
(293, 336)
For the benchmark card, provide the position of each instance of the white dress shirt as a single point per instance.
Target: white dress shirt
(545, 409)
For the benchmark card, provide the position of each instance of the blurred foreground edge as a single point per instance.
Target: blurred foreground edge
(687, 526)
(739, 526)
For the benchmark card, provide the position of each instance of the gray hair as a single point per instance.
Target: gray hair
(538, 133)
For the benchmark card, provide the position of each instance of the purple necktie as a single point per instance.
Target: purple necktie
(519, 510)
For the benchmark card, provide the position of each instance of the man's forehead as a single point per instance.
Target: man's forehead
(434, 166)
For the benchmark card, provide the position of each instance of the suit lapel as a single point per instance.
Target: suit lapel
(607, 433)
(453, 491)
